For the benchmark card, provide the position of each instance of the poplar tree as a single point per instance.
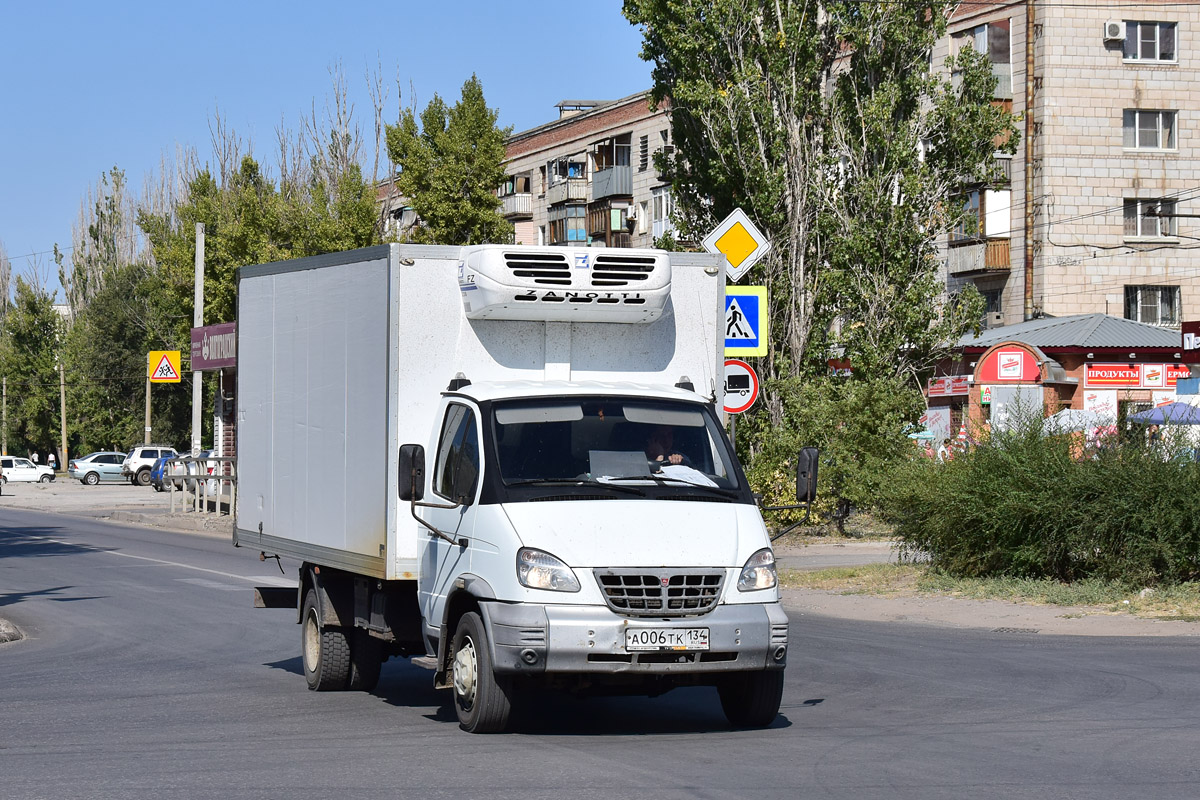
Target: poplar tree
(450, 163)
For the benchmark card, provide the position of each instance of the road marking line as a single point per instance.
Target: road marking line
(260, 579)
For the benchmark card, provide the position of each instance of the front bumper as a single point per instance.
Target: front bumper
(537, 639)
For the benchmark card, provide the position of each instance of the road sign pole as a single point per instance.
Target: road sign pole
(733, 433)
(147, 407)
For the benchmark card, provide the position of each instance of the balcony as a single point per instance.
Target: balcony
(977, 257)
(571, 190)
(517, 206)
(612, 182)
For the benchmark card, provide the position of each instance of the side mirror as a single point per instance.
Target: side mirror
(806, 474)
(411, 472)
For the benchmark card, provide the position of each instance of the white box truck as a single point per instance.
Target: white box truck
(508, 463)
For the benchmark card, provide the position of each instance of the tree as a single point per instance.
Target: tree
(29, 341)
(824, 122)
(450, 165)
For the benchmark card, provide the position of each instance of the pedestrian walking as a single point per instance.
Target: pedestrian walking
(52, 461)
(943, 452)
(33, 457)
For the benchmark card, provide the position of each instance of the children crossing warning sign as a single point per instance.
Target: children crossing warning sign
(163, 366)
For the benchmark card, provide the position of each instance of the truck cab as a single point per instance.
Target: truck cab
(603, 535)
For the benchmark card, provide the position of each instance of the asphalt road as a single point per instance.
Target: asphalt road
(145, 672)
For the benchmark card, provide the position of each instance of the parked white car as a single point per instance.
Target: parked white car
(22, 469)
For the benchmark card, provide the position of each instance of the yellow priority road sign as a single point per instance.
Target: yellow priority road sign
(739, 241)
(163, 366)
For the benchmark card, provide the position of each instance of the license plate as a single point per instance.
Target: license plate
(666, 639)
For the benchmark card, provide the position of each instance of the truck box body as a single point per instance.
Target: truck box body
(343, 357)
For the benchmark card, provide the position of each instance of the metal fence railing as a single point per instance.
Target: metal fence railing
(202, 481)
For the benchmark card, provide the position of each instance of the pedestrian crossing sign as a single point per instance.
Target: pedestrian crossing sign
(745, 320)
(163, 366)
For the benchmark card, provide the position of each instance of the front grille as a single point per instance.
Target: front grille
(668, 593)
(543, 268)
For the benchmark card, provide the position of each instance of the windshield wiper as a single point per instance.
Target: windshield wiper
(576, 482)
(663, 480)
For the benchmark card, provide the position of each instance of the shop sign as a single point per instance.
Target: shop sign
(1191, 335)
(1134, 376)
(985, 396)
(948, 386)
(1009, 365)
(214, 347)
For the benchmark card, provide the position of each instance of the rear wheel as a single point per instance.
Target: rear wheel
(482, 700)
(91, 479)
(143, 477)
(751, 699)
(326, 651)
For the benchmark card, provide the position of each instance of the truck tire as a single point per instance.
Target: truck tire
(751, 699)
(482, 700)
(366, 659)
(91, 479)
(143, 477)
(326, 652)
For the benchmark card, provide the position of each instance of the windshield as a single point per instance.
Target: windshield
(611, 440)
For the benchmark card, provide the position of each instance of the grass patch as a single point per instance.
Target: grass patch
(1178, 602)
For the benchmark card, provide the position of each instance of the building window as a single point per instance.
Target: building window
(992, 40)
(662, 206)
(1149, 130)
(568, 224)
(1149, 41)
(992, 300)
(563, 168)
(1149, 219)
(970, 225)
(1153, 305)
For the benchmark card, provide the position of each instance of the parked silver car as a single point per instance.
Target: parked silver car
(104, 465)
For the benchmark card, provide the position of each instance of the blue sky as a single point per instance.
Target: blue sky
(89, 86)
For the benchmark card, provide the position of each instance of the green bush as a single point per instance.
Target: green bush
(859, 426)
(1025, 505)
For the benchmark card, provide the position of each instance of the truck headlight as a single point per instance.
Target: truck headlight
(539, 570)
(759, 572)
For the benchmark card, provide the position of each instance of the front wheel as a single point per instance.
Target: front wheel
(45, 479)
(751, 699)
(482, 700)
(326, 651)
(91, 479)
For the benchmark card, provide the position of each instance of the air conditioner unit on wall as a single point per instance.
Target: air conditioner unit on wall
(994, 320)
(1114, 31)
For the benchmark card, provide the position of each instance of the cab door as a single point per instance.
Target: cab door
(454, 477)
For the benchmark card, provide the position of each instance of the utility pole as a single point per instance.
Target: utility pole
(1028, 144)
(4, 419)
(198, 321)
(62, 406)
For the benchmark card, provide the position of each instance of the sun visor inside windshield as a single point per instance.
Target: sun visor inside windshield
(662, 415)
(549, 412)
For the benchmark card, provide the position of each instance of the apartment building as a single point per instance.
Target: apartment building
(1112, 155)
(588, 177)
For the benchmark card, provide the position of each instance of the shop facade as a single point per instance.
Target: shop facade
(1093, 362)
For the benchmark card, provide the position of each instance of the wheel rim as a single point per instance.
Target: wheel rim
(466, 672)
(312, 642)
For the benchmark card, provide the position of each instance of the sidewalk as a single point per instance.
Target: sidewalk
(118, 502)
